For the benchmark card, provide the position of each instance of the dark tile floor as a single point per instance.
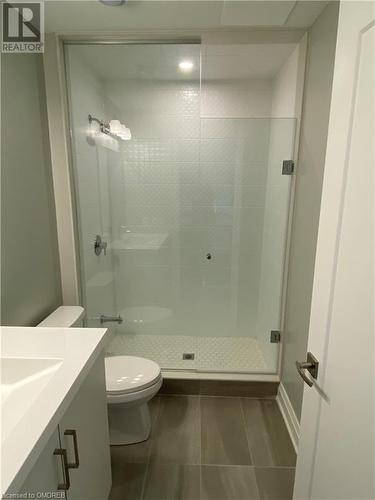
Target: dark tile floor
(208, 448)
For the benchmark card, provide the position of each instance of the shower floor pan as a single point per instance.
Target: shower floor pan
(211, 354)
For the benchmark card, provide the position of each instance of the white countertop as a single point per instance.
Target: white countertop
(42, 369)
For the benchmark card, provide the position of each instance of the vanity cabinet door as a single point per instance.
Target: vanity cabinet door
(84, 434)
(47, 477)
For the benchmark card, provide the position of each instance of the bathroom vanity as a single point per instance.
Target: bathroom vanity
(55, 437)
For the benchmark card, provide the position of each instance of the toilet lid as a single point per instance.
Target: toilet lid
(126, 374)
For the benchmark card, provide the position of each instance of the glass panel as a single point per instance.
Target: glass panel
(93, 158)
(193, 209)
(248, 206)
(155, 91)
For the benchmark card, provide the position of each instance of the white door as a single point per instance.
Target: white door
(336, 453)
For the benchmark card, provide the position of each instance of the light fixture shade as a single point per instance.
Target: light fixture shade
(119, 130)
(125, 133)
(115, 127)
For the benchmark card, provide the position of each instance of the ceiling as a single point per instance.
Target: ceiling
(161, 62)
(71, 16)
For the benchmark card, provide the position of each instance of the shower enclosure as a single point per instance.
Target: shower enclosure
(182, 223)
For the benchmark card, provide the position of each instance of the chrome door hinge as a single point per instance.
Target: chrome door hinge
(288, 167)
(275, 337)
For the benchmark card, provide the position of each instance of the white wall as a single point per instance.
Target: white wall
(30, 285)
(285, 87)
(277, 199)
(309, 178)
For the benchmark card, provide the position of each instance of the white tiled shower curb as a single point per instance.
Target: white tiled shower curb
(290, 418)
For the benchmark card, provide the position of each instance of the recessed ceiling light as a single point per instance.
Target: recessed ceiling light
(186, 66)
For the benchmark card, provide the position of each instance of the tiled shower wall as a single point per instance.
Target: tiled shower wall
(195, 177)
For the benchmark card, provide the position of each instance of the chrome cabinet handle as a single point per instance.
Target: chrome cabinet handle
(73, 433)
(311, 365)
(62, 452)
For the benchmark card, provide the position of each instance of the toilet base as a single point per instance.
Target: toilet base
(128, 425)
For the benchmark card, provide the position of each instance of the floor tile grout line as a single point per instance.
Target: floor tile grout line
(145, 479)
(201, 446)
(248, 445)
(282, 467)
(246, 433)
(153, 428)
(200, 429)
(191, 464)
(144, 482)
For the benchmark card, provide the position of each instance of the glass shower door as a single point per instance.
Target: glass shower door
(248, 200)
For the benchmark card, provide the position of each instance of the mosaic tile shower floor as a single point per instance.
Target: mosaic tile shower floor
(228, 354)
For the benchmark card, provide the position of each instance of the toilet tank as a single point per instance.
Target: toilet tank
(64, 317)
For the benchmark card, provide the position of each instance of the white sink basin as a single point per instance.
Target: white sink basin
(20, 371)
(22, 380)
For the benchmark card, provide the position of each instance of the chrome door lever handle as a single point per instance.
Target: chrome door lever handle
(311, 365)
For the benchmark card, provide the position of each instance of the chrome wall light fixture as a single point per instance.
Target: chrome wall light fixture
(114, 128)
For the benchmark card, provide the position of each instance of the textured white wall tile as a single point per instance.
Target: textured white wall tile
(237, 99)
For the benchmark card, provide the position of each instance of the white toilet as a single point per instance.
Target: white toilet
(130, 381)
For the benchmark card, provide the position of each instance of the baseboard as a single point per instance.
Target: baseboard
(290, 418)
(201, 375)
(229, 388)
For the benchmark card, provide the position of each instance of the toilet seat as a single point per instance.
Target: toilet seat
(134, 397)
(126, 375)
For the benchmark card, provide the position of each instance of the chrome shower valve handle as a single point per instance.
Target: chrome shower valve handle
(110, 319)
(100, 245)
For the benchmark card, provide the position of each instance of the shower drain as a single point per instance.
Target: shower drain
(188, 356)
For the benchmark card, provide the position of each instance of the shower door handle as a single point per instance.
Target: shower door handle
(311, 365)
